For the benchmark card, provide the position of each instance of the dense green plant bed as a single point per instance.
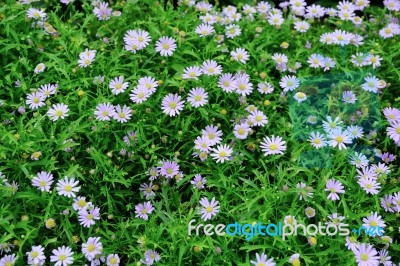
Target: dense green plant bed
(139, 133)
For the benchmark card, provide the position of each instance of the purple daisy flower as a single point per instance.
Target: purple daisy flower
(210, 208)
(198, 181)
(143, 210)
(169, 169)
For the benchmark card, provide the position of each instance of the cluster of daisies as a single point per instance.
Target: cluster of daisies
(122, 113)
(170, 170)
(64, 256)
(226, 26)
(136, 40)
(38, 99)
(87, 215)
(212, 136)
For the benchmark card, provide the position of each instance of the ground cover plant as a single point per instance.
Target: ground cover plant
(146, 133)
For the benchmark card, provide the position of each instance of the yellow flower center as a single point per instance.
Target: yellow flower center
(374, 223)
(273, 147)
(113, 261)
(68, 188)
(82, 203)
(339, 139)
(36, 100)
(91, 248)
(364, 257)
(90, 216)
(121, 115)
(369, 186)
(59, 113)
(209, 209)
(172, 105)
(166, 46)
(398, 130)
(222, 154)
(296, 262)
(241, 131)
(62, 257)
(118, 86)
(317, 141)
(105, 113)
(197, 98)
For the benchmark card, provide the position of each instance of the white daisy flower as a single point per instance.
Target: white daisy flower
(35, 100)
(58, 111)
(117, 85)
(197, 97)
(172, 104)
(122, 113)
(222, 153)
(104, 112)
(204, 30)
(289, 83)
(67, 187)
(166, 46)
(40, 68)
(240, 54)
(43, 181)
(92, 248)
(62, 256)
